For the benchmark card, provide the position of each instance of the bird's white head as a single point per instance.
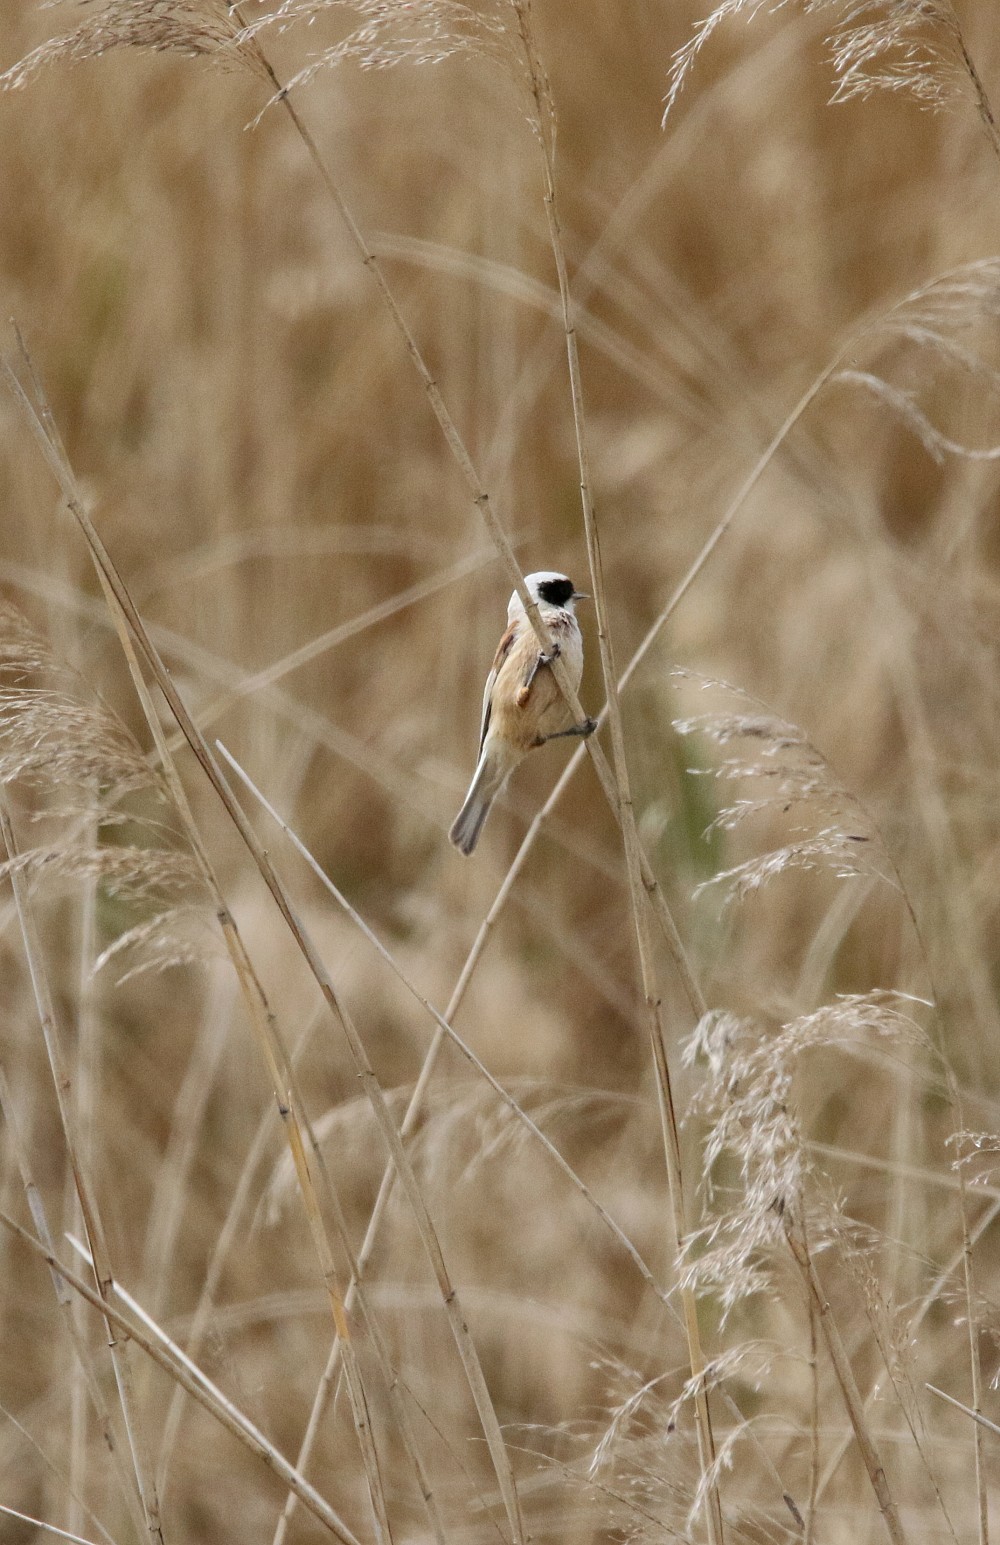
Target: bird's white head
(547, 588)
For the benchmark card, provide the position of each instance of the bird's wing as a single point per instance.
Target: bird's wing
(503, 650)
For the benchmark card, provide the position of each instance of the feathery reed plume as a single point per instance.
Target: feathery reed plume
(643, 1463)
(977, 1156)
(133, 634)
(746, 1100)
(928, 332)
(55, 735)
(906, 408)
(782, 1211)
(389, 33)
(80, 764)
(914, 47)
(790, 773)
(194, 28)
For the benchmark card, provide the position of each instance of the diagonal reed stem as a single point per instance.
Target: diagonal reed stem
(483, 503)
(798, 1244)
(544, 126)
(68, 1303)
(273, 1048)
(540, 819)
(262, 1018)
(92, 1221)
(197, 1384)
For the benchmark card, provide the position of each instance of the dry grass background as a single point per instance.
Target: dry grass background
(261, 461)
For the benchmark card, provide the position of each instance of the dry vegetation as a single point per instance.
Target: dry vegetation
(230, 513)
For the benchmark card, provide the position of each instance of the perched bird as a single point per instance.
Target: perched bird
(522, 705)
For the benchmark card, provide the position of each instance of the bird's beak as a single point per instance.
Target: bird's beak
(580, 595)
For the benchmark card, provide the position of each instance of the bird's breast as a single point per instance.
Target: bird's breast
(520, 718)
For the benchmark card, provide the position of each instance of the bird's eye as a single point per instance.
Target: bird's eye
(555, 591)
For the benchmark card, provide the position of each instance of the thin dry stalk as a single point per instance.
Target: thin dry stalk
(969, 1286)
(198, 1385)
(68, 1303)
(378, 1342)
(482, 501)
(445, 1028)
(321, 1399)
(62, 1085)
(125, 609)
(545, 136)
(906, 1401)
(930, 1298)
(302, 719)
(810, 1519)
(170, 1194)
(393, 1384)
(38, 1523)
(390, 1377)
(262, 1018)
(87, 1512)
(222, 1247)
(798, 1244)
(412, 1115)
(968, 1283)
(869, 328)
(84, 1089)
(290, 1104)
(275, 672)
(977, 1416)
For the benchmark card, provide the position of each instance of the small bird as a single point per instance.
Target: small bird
(522, 705)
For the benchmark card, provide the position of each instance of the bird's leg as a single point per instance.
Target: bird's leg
(583, 730)
(536, 665)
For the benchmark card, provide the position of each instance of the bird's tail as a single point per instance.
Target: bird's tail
(486, 785)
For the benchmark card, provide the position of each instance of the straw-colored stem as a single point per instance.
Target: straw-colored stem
(983, 105)
(84, 1097)
(482, 501)
(279, 1067)
(88, 1513)
(446, 1029)
(810, 1522)
(271, 1043)
(977, 1416)
(171, 1190)
(972, 1325)
(195, 1382)
(545, 137)
(223, 1244)
(68, 1303)
(279, 669)
(870, 1454)
(62, 1085)
(39, 1523)
(262, 1019)
(401, 1162)
(400, 1409)
(927, 1303)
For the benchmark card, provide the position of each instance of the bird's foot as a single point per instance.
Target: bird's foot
(539, 660)
(584, 730)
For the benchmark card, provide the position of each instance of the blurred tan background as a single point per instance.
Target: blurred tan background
(263, 466)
